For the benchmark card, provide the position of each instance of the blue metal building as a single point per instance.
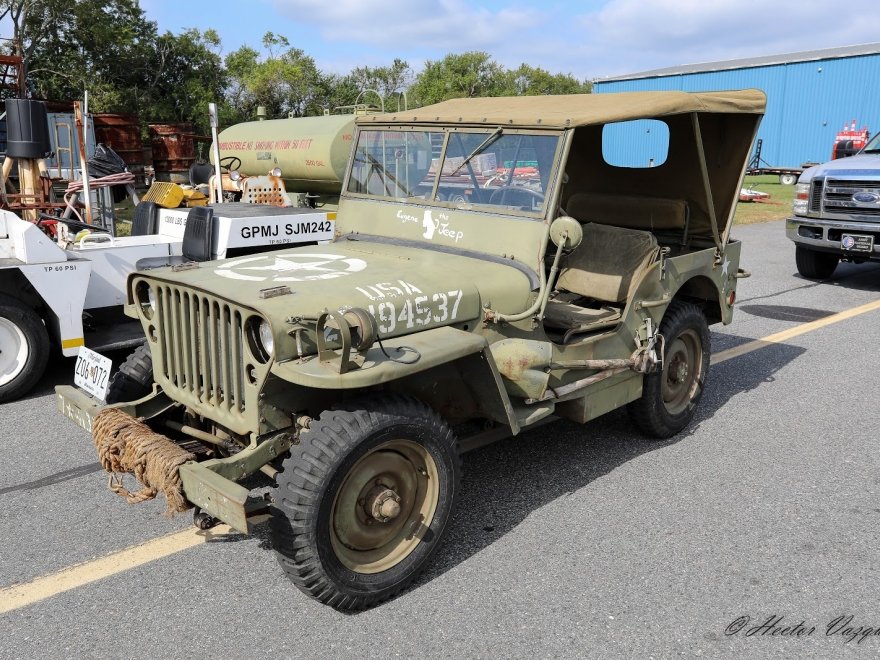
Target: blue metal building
(811, 96)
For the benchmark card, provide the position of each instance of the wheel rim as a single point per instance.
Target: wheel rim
(681, 371)
(13, 351)
(383, 507)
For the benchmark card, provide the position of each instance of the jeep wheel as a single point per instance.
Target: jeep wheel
(134, 378)
(670, 396)
(24, 348)
(815, 265)
(363, 500)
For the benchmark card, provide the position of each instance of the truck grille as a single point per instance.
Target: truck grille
(816, 196)
(839, 193)
(202, 345)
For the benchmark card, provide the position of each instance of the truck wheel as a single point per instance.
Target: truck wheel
(24, 348)
(670, 396)
(134, 378)
(363, 500)
(815, 265)
(788, 179)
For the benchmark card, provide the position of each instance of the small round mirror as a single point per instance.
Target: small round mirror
(566, 229)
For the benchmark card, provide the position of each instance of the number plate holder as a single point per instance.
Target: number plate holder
(857, 242)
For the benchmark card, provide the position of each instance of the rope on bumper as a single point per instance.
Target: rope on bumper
(126, 444)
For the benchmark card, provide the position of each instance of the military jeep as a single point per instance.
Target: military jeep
(490, 270)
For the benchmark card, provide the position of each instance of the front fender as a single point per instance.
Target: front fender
(401, 357)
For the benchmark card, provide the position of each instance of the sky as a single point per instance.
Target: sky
(590, 40)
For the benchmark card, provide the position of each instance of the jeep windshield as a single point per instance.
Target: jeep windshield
(505, 169)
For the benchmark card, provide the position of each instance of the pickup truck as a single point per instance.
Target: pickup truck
(836, 213)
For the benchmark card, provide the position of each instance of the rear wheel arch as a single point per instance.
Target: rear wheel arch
(704, 293)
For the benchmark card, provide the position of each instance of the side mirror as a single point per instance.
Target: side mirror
(566, 232)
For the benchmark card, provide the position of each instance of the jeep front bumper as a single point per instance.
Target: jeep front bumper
(211, 484)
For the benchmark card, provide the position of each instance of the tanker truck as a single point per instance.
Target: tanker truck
(310, 152)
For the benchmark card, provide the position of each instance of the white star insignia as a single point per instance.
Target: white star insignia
(282, 265)
(725, 265)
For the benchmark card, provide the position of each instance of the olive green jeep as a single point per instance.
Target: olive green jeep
(493, 267)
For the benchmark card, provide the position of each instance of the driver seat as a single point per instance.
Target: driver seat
(598, 277)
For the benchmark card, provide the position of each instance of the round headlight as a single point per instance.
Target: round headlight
(275, 171)
(234, 175)
(267, 340)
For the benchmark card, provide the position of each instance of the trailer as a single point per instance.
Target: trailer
(788, 176)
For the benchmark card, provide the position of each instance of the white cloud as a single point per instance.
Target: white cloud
(626, 36)
(401, 26)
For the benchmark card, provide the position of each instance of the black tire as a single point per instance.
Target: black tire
(670, 396)
(134, 378)
(24, 348)
(309, 530)
(815, 265)
(788, 179)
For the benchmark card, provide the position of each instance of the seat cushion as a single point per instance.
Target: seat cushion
(567, 316)
(608, 262)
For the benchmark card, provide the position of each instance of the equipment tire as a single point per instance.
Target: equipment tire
(788, 179)
(24, 348)
(352, 460)
(134, 378)
(815, 265)
(670, 396)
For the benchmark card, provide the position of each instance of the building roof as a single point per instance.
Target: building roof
(748, 62)
(566, 111)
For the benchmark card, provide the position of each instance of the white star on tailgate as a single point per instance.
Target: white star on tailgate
(725, 265)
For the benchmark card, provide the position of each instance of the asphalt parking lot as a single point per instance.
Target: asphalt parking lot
(568, 540)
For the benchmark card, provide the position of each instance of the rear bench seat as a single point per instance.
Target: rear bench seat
(654, 214)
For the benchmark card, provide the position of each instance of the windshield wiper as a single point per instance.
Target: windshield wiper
(485, 143)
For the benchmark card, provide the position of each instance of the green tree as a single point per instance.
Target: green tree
(99, 45)
(287, 82)
(109, 48)
(535, 81)
(188, 74)
(469, 74)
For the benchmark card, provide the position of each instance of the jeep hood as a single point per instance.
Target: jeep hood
(407, 288)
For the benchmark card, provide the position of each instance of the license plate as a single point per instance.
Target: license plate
(92, 372)
(857, 243)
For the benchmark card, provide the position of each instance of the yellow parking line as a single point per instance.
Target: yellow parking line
(804, 328)
(22, 595)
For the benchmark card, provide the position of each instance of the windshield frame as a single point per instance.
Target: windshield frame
(549, 192)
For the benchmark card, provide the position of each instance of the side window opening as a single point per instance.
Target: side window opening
(635, 144)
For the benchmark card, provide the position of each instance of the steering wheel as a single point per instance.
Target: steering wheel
(230, 163)
(498, 196)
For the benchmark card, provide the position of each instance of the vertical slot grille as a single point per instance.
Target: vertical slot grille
(816, 196)
(201, 343)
